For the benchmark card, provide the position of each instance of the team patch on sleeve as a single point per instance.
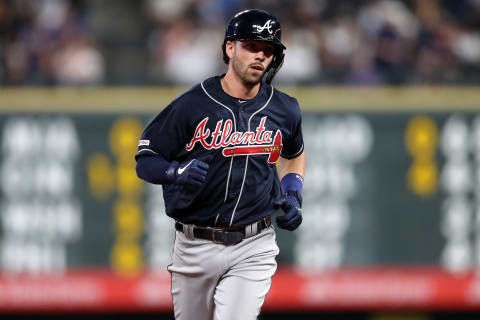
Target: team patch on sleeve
(144, 143)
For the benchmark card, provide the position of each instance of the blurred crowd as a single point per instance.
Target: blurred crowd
(149, 42)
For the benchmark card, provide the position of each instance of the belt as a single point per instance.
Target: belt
(225, 236)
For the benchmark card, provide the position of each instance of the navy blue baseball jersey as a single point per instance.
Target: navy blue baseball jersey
(241, 141)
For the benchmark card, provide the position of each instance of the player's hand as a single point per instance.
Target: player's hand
(191, 172)
(291, 202)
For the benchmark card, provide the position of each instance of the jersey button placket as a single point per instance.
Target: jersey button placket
(243, 117)
(223, 220)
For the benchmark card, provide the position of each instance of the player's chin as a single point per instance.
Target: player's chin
(254, 77)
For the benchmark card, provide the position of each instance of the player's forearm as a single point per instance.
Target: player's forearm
(296, 165)
(154, 169)
(291, 174)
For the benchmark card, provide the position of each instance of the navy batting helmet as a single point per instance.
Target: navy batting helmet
(255, 24)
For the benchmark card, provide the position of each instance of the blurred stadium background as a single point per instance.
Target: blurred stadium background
(391, 105)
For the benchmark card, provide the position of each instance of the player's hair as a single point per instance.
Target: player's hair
(226, 59)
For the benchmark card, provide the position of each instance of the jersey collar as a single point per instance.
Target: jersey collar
(215, 88)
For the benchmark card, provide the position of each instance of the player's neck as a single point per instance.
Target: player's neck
(235, 87)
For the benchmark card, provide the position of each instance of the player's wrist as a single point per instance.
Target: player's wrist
(292, 182)
(171, 173)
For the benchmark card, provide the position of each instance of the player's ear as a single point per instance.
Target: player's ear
(229, 49)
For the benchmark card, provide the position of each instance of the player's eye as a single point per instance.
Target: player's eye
(268, 51)
(250, 46)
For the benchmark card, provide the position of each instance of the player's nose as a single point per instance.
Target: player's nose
(260, 55)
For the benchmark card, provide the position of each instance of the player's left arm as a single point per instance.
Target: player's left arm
(291, 173)
(296, 165)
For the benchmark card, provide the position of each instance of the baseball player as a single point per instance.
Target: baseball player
(229, 154)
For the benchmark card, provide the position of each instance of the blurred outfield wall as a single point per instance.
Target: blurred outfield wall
(391, 202)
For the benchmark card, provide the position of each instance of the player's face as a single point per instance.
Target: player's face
(251, 59)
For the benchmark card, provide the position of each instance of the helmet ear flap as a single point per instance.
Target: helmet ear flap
(274, 67)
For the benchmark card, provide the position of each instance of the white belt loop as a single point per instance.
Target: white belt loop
(255, 228)
(188, 231)
(251, 230)
(248, 231)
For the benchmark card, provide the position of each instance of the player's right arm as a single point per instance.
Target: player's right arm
(160, 145)
(157, 170)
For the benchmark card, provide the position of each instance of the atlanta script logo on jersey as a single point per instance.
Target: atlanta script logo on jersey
(237, 143)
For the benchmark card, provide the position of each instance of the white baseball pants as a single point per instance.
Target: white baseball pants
(216, 282)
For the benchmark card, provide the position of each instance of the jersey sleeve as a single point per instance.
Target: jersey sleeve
(164, 135)
(293, 146)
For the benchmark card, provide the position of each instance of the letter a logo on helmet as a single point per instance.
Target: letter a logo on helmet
(268, 25)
